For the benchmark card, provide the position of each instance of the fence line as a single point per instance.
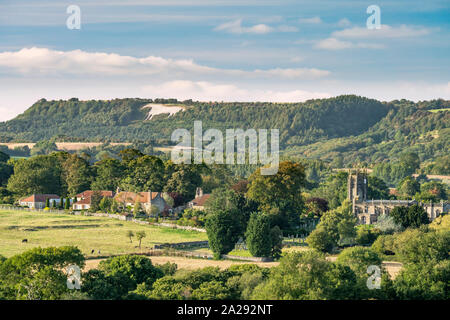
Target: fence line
(107, 215)
(14, 208)
(158, 249)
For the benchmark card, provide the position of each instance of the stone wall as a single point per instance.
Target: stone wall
(201, 244)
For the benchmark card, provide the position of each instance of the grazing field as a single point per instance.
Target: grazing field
(87, 233)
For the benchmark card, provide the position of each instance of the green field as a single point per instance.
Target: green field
(87, 233)
(439, 110)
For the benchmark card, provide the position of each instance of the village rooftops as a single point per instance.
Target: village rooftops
(396, 202)
(201, 200)
(387, 202)
(132, 197)
(40, 198)
(85, 198)
(88, 193)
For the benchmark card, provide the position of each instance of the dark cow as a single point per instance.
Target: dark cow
(25, 240)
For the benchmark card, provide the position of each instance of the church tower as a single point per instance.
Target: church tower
(357, 187)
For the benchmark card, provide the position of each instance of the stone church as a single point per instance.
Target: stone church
(368, 210)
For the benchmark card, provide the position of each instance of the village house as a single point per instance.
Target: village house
(84, 199)
(37, 201)
(147, 200)
(200, 199)
(367, 211)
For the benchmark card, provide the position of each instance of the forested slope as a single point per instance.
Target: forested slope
(123, 119)
(344, 129)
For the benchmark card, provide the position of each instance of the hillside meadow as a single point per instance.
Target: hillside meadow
(87, 233)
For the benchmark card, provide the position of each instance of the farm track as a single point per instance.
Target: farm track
(191, 263)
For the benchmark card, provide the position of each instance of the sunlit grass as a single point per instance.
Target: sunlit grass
(87, 233)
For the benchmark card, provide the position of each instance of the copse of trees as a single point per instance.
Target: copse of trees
(233, 201)
(223, 229)
(68, 174)
(413, 216)
(43, 147)
(359, 259)
(4, 157)
(393, 172)
(40, 174)
(38, 274)
(279, 195)
(257, 236)
(316, 207)
(408, 187)
(424, 253)
(336, 227)
(333, 189)
(6, 169)
(307, 276)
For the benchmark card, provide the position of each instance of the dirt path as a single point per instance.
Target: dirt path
(189, 263)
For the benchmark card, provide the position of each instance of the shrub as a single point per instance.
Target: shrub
(257, 236)
(386, 224)
(223, 230)
(358, 259)
(415, 246)
(307, 276)
(384, 244)
(410, 217)
(424, 281)
(335, 227)
(366, 234)
(321, 240)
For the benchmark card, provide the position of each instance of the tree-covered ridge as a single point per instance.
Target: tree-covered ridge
(407, 127)
(123, 119)
(345, 129)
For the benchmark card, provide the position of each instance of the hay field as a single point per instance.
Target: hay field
(87, 233)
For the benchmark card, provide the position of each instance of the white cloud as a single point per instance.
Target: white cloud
(336, 44)
(344, 23)
(285, 28)
(313, 20)
(340, 39)
(236, 27)
(44, 61)
(293, 73)
(386, 31)
(207, 91)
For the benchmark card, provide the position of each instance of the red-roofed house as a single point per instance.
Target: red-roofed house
(37, 201)
(84, 199)
(146, 199)
(199, 201)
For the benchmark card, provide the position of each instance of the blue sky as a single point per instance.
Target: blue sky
(231, 50)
